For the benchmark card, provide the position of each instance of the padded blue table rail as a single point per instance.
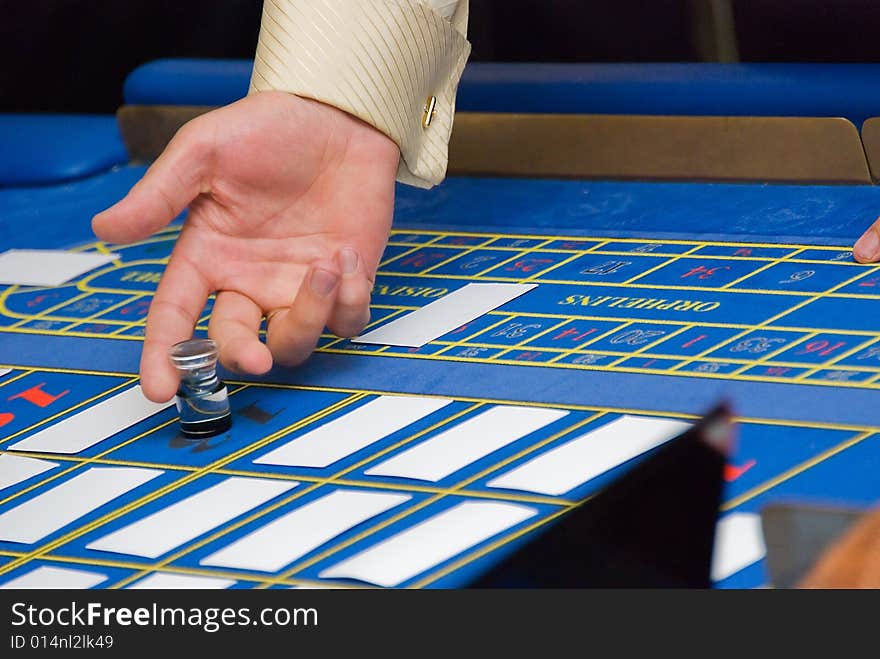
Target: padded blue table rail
(50, 148)
(821, 90)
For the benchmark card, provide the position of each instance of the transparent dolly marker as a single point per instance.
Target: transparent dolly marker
(202, 399)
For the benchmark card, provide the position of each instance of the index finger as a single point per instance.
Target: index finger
(173, 315)
(867, 248)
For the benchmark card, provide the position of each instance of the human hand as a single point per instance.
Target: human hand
(290, 206)
(867, 248)
(852, 561)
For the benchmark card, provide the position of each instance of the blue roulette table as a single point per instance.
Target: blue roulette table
(655, 299)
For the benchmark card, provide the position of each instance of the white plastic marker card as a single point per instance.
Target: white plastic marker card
(47, 267)
(172, 581)
(94, 424)
(185, 520)
(440, 317)
(4, 371)
(739, 542)
(563, 468)
(15, 469)
(437, 539)
(467, 442)
(51, 578)
(353, 431)
(293, 535)
(54, 509)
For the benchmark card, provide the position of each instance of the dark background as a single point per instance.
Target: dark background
(73, 55)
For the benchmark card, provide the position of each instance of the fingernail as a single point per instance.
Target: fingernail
(322, 282)
(348, 259)
(867, 248)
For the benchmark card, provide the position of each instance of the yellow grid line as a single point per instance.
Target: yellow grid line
(599, 284)
(413, 250)
(520, 252)
(192, 546)
(293, 476)
(97, 458)
(618, 369)
(6, 379)
(487, 549)
(95, 317)
(786, 258)
(337, 339)
(634, 279)
(135, 565)
(68, 410)
(564, 352)
(102, 247)
(453, 491)
(767, 266)
(77, 464)
(772, 319)
(832, 364)
(172, 486)
(795, 471)
(767, 357)
(589, 342)
(85, 283)
(42, 315)
(534, 277)
(667, 241)
(618, 319)
(641, 352)
(522, 344)
(468, 250)
(462, 343)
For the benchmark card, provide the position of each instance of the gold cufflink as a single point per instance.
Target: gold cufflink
(430, 111)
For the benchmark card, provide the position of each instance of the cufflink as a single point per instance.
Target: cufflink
(430, 111)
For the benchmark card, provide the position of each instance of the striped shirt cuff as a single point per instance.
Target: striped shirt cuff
(379, 60)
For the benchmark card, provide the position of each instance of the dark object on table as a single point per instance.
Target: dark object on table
(654, 527)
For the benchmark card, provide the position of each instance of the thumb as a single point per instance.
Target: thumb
(169, 185)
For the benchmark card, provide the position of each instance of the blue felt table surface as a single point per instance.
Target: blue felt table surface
(828, 418)
(59, 215)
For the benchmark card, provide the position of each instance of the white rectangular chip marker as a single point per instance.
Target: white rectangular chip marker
(294, 534)
(93, 424)
(440, 317)
(466, 442)
(51, 578)
(561, 469)
(55, 508)
(15, 469)
(349, 433)
(739, 542)
(47, 267)
(187, 519)
(409, 553)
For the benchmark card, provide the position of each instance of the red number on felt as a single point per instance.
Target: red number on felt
(822, 348)
(527, 265)
(693, 341)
